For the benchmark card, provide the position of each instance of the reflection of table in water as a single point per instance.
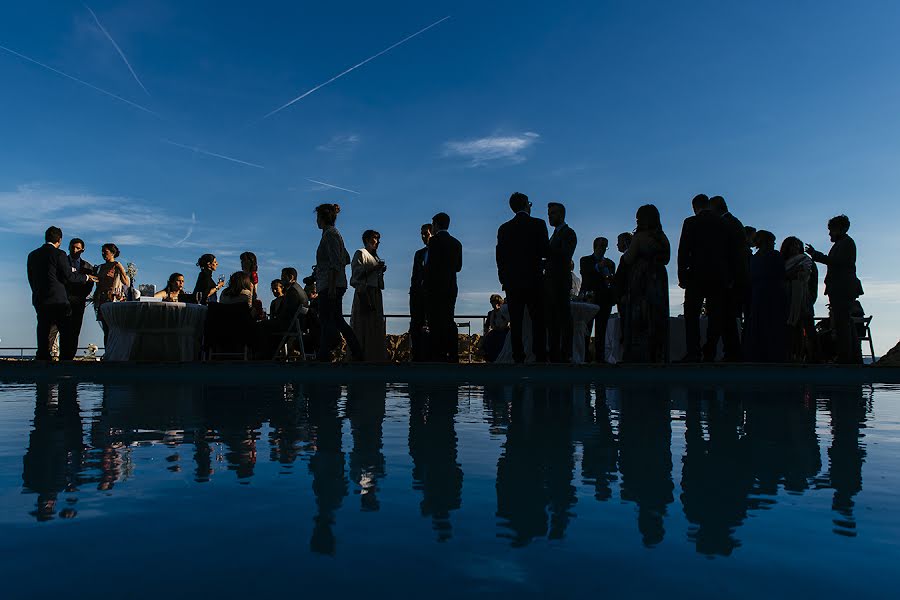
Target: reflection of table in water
(164, 331)
(582, 314)
(677, 343)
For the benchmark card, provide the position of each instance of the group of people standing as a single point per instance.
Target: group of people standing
(760, 305)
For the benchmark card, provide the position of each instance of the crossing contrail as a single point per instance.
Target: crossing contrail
(119, 50)
(82, 82)
(338, 76)
(332, 186)
(189, 231)
(222, 156)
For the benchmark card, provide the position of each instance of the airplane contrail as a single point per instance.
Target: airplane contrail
(119, 50)
(332, 186)
(82, 82)
(189, 231)
(222, 156)
(338, 76)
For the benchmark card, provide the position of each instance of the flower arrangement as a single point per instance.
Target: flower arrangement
(131, 270)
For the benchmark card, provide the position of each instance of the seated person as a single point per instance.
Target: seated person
(174, 291)
(496, 326)
(278, 292)
(269, 332)
(239, 291)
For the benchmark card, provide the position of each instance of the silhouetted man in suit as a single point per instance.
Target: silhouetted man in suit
(703, 275)
(77, 293)
(598, 286)
(842, 287)
(443, 262)
(48, 273)
(522, 246)
(417, 303)
(737, 281)
(559, 284)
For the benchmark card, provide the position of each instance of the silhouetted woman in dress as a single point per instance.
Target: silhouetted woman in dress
(206, 287)
(111, 284)
(367, 314)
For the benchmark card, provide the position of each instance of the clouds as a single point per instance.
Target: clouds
(340, 144)
(496, 149)
(30, 209)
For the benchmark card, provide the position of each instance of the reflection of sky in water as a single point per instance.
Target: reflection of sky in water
(544, 487)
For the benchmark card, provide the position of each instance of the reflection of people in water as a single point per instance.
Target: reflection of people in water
(432, 447)
(645, 457)
(237, 415)
(535, 471)
(600, 456)
(53, 460)
(326, 464)
(365, 409)
(290, 427)
(715, 474)
(847, 453)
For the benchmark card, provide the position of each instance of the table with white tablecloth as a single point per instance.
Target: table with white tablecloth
(582, 316)
(677, 342)
(164, 331)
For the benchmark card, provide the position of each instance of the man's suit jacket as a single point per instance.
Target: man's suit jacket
(78, 292)
(840, 278)
(522, 246)
(444, 262)
(48, 273)
(294, 297)
(559, 259)
(417, 283)
(592, 279)
(737, 256)
(703, 251)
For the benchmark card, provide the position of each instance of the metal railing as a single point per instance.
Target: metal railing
(30, 351)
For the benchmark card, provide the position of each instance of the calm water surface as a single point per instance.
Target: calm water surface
(448, 491)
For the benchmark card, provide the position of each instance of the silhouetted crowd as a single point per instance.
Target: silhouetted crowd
(759, 305)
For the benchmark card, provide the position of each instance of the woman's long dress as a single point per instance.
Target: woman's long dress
(767, 323)
(367, 314)
(646, 320)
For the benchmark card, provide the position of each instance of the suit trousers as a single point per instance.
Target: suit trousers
(559, 322)
(418, 336)
(68, 346)
(601, 321)
(50, 317)
(694, 296)
(442, 327)
(846, 337)
(725, 326)
(517, 300)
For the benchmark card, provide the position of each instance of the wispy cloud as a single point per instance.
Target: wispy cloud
(118, 219)
(492, 149)
(213, 154)
(119, 50)
(81, 81)
(340, 144)
(353, 68)
(328, 185)
(190, 231)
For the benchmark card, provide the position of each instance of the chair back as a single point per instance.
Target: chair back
(228, 326)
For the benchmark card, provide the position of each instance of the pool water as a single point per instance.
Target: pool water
(414, 490)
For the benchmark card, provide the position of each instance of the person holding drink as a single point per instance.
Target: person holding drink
(367, 315)
(112, 280)
(206, 289)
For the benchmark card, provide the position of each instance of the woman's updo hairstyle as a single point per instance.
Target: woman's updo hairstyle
(204, 261)
(112, 248)
(328, 213)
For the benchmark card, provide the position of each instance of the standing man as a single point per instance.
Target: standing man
(443, 262)
(417, 302)
(48, 273)
(737, 281)
(77, 293)
(702, 274)
(842, 287)
(598, 281)
(559, 284)
(522, 246)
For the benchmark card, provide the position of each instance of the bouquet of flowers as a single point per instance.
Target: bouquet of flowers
(131, 270)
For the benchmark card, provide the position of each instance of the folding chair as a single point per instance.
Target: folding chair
(468, 327)
(864, 324)
(293, 332)
(228, 331)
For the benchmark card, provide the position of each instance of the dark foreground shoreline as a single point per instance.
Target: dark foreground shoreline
(240, 373)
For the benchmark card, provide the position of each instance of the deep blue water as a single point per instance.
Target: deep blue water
(448, 491)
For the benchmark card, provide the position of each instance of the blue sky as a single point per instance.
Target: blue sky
(786, 109)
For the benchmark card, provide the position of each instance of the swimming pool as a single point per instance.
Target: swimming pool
(446, 490)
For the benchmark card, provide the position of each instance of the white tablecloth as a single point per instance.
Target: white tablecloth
(165, 331)
(677, 342)
(582, 313)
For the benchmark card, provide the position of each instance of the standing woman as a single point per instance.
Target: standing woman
(331, 280)
(111, 284)
(250, 266)
(646, 319)
(801, 280)
(766, 326)
(367, 315)
(206, 287)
